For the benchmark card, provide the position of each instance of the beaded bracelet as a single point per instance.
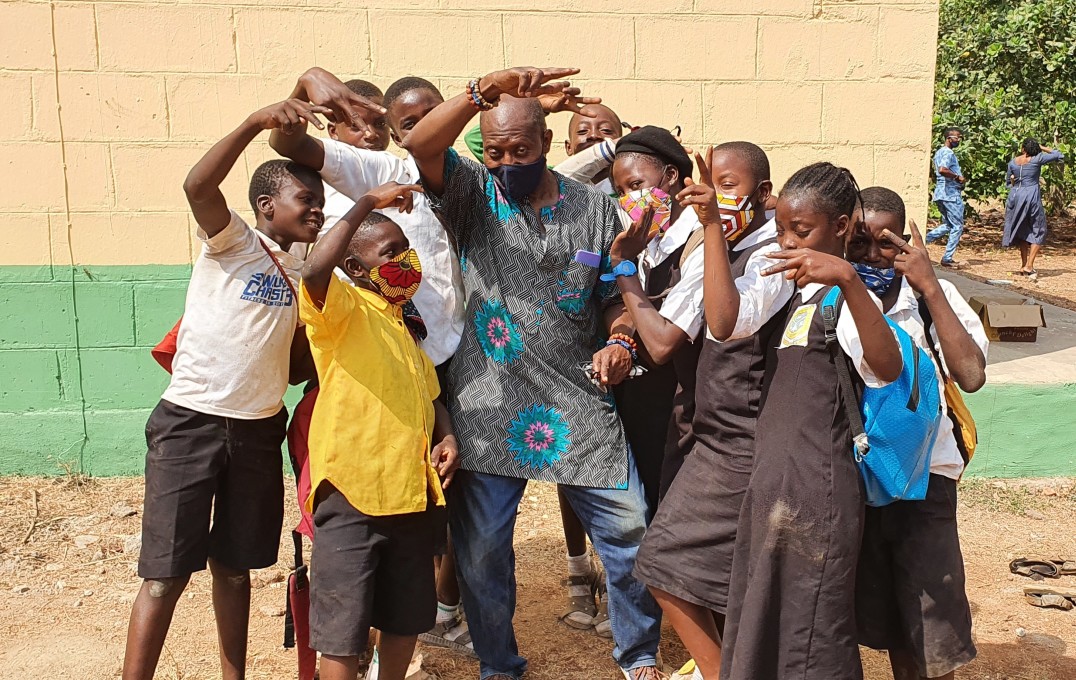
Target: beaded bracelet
(626, 339)
(634, 354)
(475, 94)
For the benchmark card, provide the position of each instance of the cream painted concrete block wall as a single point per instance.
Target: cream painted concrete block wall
(107, 104)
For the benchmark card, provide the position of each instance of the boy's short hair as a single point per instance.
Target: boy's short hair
(880, 199)
(951, 129)
(270, 176)
(363, 232)
(407, 84)
(752, 154)
(364, 88)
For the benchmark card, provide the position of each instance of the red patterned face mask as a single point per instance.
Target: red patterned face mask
(399, 278)
(736, 213)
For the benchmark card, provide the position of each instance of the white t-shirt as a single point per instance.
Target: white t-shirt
(945, 459)
(683, 305)
(439, 299)
(234, 345)
(760, 296)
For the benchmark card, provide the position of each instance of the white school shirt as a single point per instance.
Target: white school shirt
(760, 296)
(847, 333)
(234, 345)
(439, 299)
(683, 305)
(945, 459)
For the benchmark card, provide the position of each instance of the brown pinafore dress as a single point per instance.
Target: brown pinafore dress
(646, 403)
(687, 551)
(791, 613)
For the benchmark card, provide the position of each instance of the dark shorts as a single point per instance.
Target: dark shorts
(369, 572)
(910, 582)
(201, 467)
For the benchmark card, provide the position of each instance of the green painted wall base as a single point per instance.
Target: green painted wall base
(77, 382)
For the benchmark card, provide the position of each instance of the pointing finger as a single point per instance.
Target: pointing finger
(917, 238)
(897, 241)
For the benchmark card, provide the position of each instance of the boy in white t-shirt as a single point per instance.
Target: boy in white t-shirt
(214, 439)
(910, 597)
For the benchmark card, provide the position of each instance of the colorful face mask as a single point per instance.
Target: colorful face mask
(398, 279)
(736, 213)
(635, 204)
(877, 280)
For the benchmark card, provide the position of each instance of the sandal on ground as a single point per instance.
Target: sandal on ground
(1055, 599)
(582, 601)
(1040, 569)
(644, 673)
(602, 625)
(452, 634)
(952, 264)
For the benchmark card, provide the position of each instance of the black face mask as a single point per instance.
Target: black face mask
(520, 181)
(954, 143)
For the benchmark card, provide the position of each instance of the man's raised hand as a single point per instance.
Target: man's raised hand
(526, 81)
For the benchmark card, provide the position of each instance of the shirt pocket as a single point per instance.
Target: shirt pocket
(574, 290)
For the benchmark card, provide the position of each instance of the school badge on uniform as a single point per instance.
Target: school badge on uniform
(798, 327)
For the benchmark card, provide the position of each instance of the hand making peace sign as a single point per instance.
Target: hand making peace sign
(913, 263)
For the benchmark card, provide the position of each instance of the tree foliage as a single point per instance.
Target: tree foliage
(1007, 71)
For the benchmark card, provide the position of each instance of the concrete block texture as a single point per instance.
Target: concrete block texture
(110, 103)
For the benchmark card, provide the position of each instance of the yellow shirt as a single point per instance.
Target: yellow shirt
(373, 421)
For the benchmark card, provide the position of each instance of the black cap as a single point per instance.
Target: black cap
(660, 143)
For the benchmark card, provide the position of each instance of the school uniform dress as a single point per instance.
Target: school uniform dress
(647, 403)
(1025, 219)
(910, 591)
(791, 610)
(688, 547)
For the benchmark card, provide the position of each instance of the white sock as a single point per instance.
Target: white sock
(580, 565)
(696, 674)
(446, 612)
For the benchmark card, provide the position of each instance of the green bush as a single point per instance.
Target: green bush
(1007, 71)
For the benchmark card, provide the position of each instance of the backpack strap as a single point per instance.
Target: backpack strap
(831, 306)
(928, 324)
(692, 244)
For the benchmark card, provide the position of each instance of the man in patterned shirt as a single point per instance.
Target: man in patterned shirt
(531, 245)
(950, 182)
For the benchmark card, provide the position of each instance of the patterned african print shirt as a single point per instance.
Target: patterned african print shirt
(521, 404)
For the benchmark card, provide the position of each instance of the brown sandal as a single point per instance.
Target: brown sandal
(582, 606)
(1054, 599)
(1037, 570)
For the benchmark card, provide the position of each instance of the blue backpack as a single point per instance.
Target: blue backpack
(894, 429)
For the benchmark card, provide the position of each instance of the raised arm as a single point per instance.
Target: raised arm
(202, 185)
(318, 86)
(330, 250)
(438, 131)
(963, 358)
(881, 351)
(720, 298)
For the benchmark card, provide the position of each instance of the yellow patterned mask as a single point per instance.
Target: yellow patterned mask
(399, 278)
(736, 213)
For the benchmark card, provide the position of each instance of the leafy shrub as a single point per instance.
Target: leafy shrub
(1007, 71)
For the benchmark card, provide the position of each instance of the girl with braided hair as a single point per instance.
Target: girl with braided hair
(791, 607)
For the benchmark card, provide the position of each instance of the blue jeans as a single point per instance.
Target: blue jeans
(952, 225)
(482, 512)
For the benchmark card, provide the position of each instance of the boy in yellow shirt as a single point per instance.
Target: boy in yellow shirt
(374, 478)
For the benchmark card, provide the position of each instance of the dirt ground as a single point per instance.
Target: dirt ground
(980, 249)
(68, 548)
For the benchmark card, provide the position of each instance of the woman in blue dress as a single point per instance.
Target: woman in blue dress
(1025, 219)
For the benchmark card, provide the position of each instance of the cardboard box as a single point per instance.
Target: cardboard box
(1008, 318)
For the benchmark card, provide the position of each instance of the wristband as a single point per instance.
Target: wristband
(625, 268)
(632, 352)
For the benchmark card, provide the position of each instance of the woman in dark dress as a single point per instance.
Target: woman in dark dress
(1025, 219)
